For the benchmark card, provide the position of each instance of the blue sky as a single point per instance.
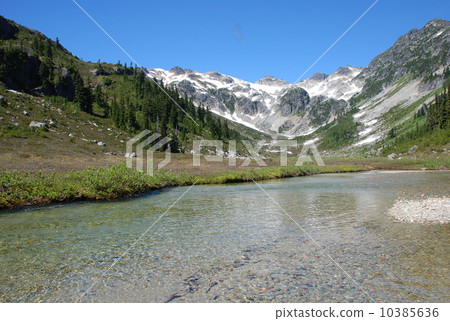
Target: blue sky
(245, 39)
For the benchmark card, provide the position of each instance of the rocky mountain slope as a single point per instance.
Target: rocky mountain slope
(354, 110)
(401, 79)
(409, 72)
(271, 105)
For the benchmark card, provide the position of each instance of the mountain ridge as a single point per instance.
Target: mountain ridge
(418, 57)
(359, 106)
(255, 104)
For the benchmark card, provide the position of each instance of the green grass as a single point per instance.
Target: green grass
(18, 189)
(25, 188)
(410, 130)
(10, 130)
(342, 133)
(426, 141)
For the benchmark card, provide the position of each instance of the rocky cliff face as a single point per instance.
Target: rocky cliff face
(271, 81)
(271, 105)
(7, 29)
(420, 53)
(412, 68)
(22, 68)
(404, 76)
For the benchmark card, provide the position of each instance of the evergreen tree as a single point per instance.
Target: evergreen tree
(83, 95)
(438, 115)
(174, 143)
(115, 112)
(444, 110)
(145, 116)
(46, 74)
(226, 130)
(173, 117)
(131, 123)
(208, 117)
(99, 99)
(216, 129)
(128, 97)
(201, 114)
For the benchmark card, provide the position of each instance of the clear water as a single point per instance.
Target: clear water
(231, 243)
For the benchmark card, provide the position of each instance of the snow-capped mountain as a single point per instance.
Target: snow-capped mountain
(408, 72)
(340, 85)
(270, 105)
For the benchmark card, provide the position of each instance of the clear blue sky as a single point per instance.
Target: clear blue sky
(245, 39)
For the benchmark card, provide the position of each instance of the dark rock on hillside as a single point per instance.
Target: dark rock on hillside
(177, 70)
(323, 109)
(186, 86)
(249, 107)
(271, 80)
(344, 70)
(65, 87)
(100, 72)
(227, 98)
(419, 53)
(7, 30)
(294, 101)
(218, 76)
(209, 101)
(118, 71)
(319, 76)
(25, 75)
(287, 125)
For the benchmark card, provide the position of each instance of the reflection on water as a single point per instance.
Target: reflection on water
(231, 243)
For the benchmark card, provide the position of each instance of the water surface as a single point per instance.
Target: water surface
(231, 243)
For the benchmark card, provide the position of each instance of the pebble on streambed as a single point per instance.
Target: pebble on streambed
(430, 210)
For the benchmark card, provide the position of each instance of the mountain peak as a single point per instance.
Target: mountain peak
(437, 23)
(271, 81)
(319, 76)
(177, 70)
(347, 70)
(268, 104)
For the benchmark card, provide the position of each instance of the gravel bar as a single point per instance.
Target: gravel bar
(430, 210)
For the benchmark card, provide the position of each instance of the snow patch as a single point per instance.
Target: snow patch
(340, 85)
(311, 141)
(368, 140)
(14, 91)
(370, 122)
(235, 118)
(438, 34)
(366, 131)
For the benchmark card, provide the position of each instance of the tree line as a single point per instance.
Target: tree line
(122, 93)
(438, 112)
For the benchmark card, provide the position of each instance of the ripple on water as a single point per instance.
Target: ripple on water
(230, 243)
